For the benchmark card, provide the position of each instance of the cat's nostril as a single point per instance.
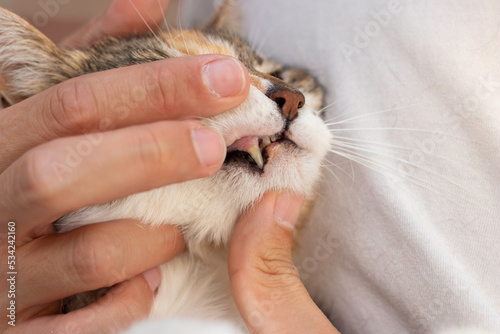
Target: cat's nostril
(280, 102)
(289, 102)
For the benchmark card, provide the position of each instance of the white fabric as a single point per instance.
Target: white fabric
(411, 245)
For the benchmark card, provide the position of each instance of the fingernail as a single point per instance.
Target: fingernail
(224, 77)
(153, 277)
(287, 209)
(209, 145)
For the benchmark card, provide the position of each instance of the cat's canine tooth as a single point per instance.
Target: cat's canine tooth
(266, 141)
(256, 155)
(273, 138)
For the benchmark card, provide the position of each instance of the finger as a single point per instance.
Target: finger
(171, 89)
(121, 306)
(92, 257)
(265, 283)
(65, 175)
(122, 18)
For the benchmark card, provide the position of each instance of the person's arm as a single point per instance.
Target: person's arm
(149, 148)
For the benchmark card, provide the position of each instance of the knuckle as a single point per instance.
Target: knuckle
(132, 310)
(142, 297)
(174, 239)
(150, 149)
(168, 93)
(73, 107)
(38, 182)
(95, 259)
(275, 265)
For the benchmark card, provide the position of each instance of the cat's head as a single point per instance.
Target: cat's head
(276, 139)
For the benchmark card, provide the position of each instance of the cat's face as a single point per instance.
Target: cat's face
(276, 139)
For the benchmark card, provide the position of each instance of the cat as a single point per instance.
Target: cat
(195, 284)
(277, 140)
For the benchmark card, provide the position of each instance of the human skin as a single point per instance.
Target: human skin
(264, 281)
(152, 146)
(137, 150)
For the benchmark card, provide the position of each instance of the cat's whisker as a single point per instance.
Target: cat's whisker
(369, 142)
(439, 134)
(348, 120)
(141, 225)
(383, 154)
(382, 168)
(165, 20)
(329, 164)
(342, 151)
(181, 30)
(189, 18)
(396, 147)
(211, 120)
(253, 36)
(156, 24)
(164, 17)
(145, 22)
(327, 107)
(333, 119)
(327, 168)
(263, 42)
(431, 132)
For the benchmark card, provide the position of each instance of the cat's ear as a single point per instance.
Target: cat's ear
(227, 17)
(28, 59)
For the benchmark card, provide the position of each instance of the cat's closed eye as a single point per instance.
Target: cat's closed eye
(276, 74)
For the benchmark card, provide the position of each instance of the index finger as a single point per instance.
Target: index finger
(92, 257)
(169, 89)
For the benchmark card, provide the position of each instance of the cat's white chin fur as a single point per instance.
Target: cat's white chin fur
(207, 209)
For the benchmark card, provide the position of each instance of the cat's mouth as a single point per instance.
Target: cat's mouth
(256, 151)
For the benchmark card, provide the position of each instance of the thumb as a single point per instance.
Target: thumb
(265, 283)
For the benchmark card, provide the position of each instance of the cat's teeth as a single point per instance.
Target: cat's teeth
(256, 155)
(266, 141)
(273, 138)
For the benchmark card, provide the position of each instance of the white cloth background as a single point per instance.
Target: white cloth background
(413, 244)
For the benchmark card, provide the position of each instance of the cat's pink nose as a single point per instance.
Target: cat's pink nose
(289, 101)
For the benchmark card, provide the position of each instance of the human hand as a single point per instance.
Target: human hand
(265, 283)
(120, 150)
